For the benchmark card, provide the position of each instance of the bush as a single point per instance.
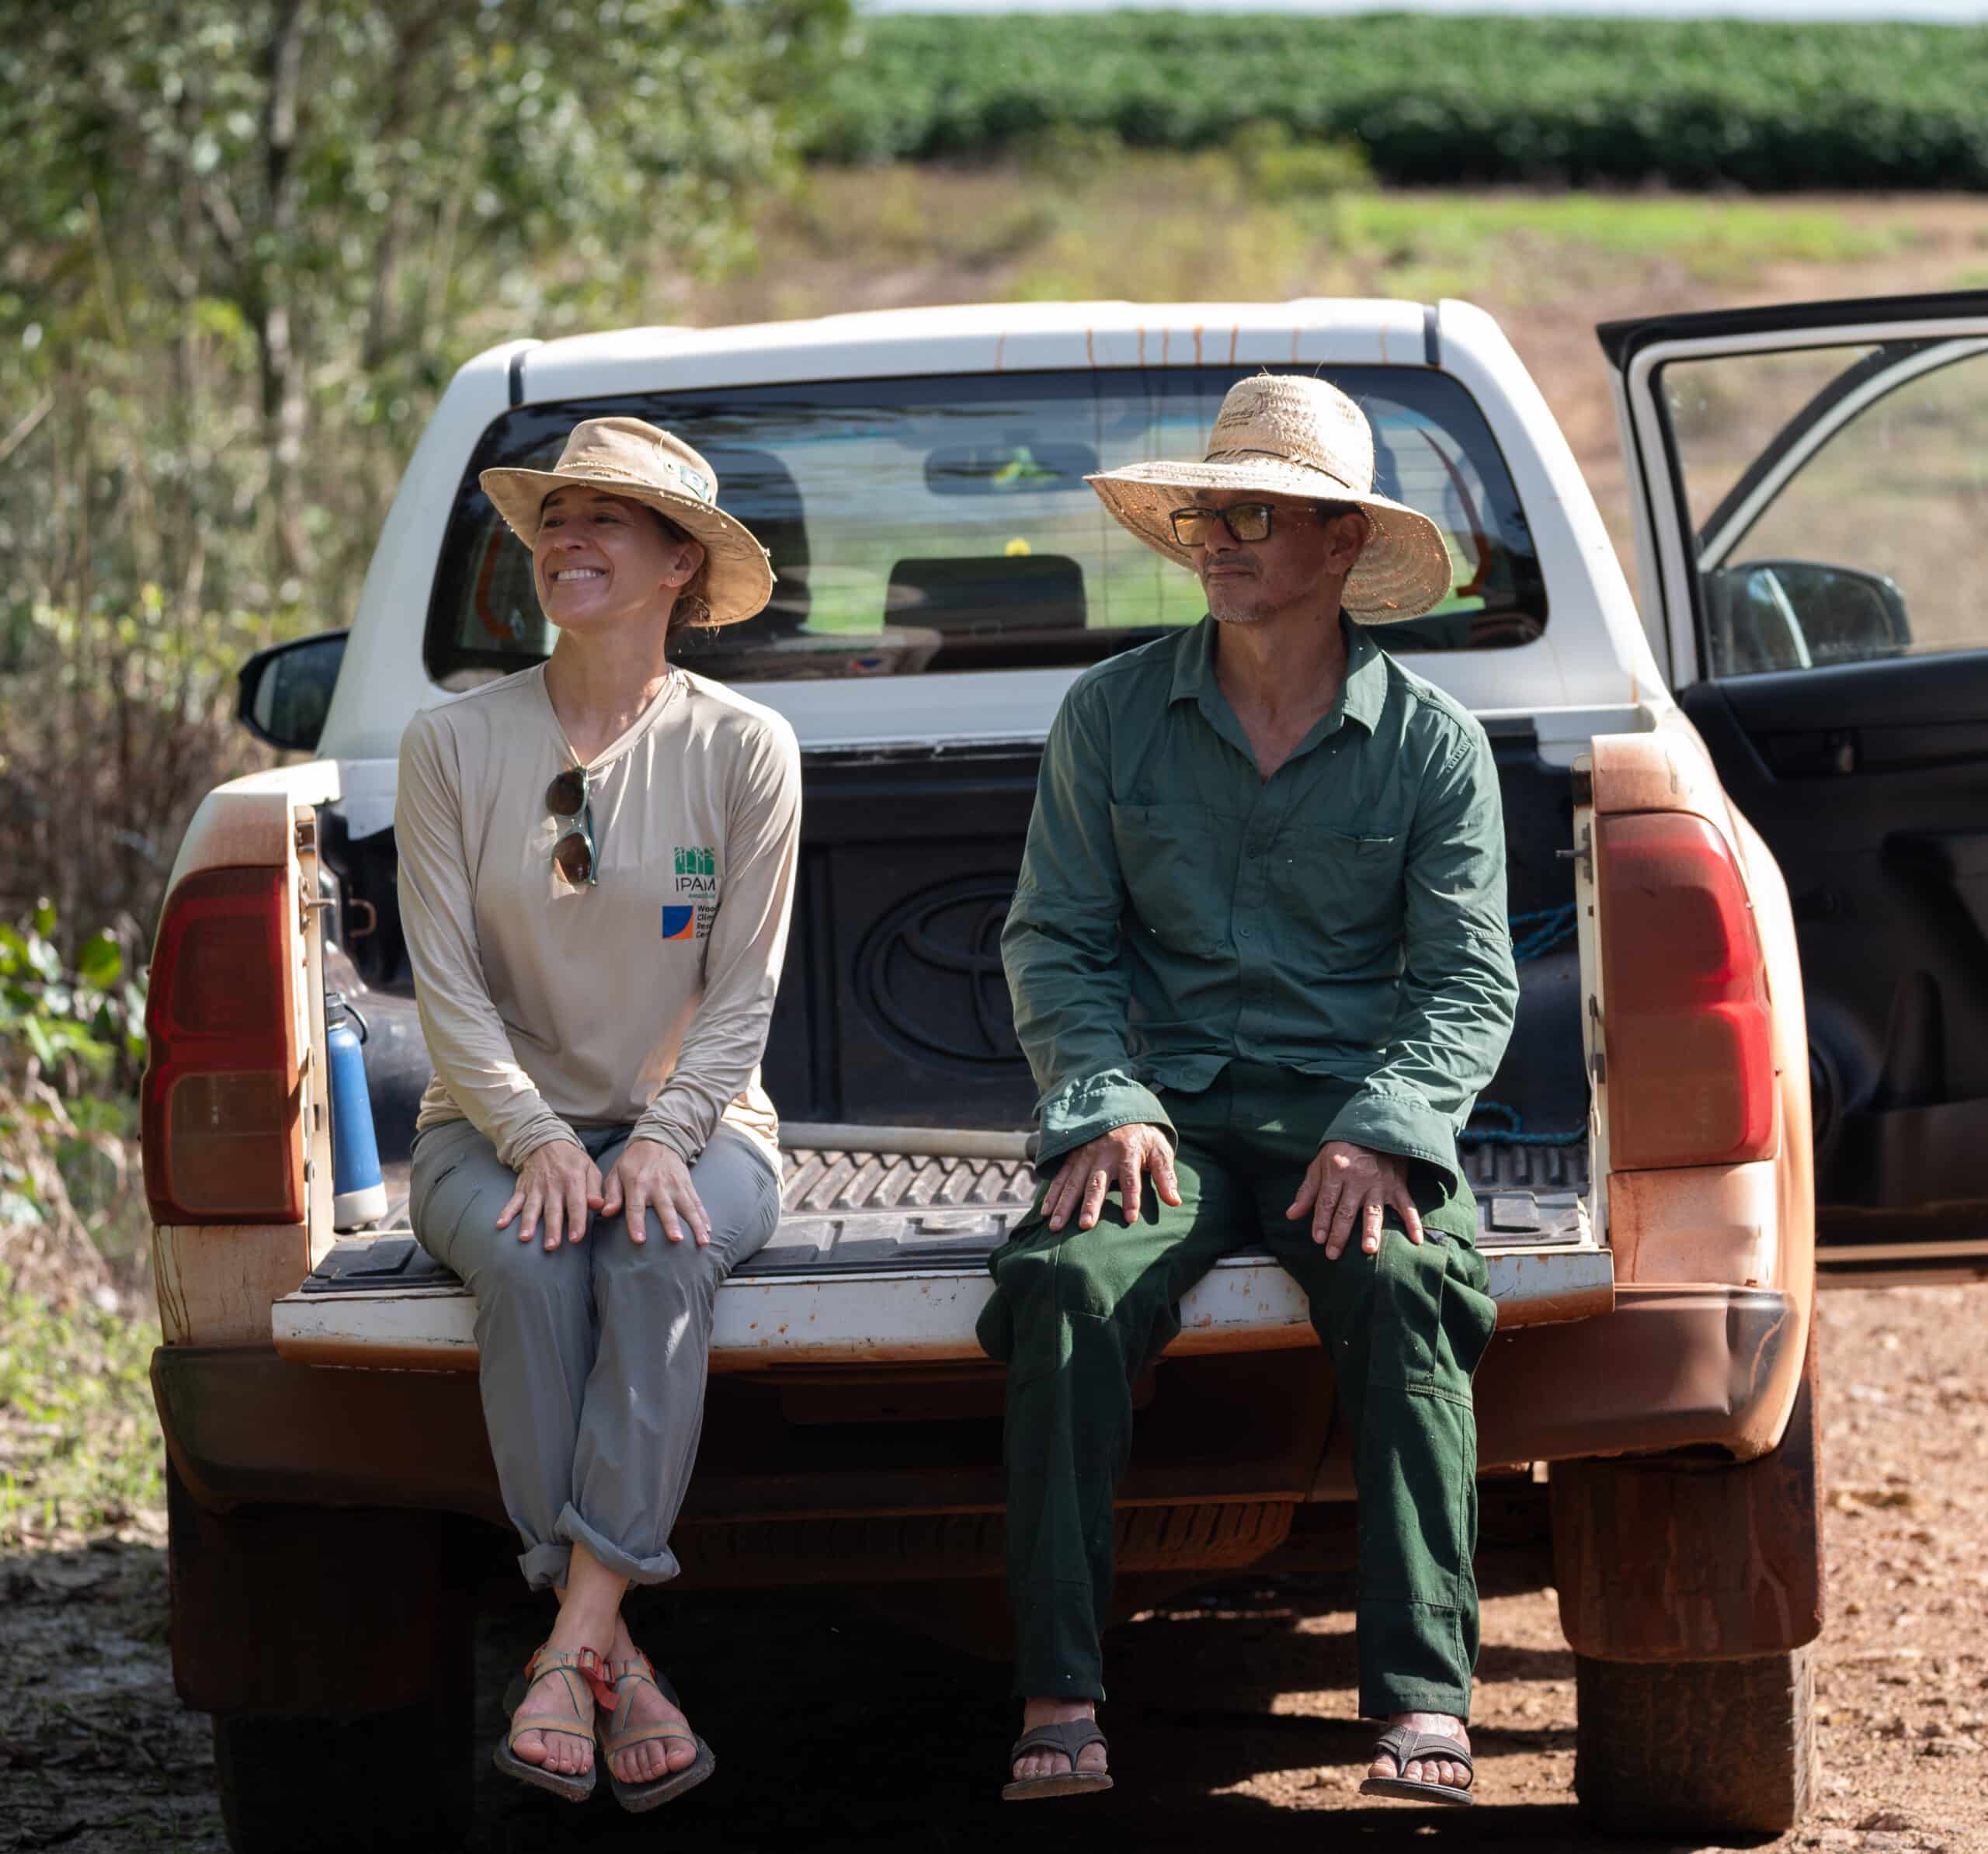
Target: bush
(1440, 101)
(71, 1043)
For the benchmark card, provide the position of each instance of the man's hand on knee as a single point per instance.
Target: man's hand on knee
(1348, 1184)
(1125, 1153)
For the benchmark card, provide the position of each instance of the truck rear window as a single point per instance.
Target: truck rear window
(928, 525)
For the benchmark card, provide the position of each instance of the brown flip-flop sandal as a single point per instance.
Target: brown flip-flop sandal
(586, 1669)
(617, 1735)
(1405, 1746)
(1070, 1738)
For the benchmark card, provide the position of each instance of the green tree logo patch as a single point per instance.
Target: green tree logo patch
(697, 870)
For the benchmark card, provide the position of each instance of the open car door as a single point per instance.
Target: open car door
(1812, 524)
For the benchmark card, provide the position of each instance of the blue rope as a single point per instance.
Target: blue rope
(1513, 1133)
(1537, 934)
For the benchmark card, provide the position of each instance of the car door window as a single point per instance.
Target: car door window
(1838, 497)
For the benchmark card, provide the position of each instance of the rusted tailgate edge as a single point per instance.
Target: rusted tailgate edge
(1669, 1368)
(1242, 1305)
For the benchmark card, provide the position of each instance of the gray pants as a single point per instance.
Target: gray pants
(593, 1356)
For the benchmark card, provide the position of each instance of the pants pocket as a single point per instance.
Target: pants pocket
(1468, 1315)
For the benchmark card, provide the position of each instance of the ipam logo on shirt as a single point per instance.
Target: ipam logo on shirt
(696, 881)
(697, 869)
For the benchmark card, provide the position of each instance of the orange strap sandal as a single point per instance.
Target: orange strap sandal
(584, 1676)
(617, 1735)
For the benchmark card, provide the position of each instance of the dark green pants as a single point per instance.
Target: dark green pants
(1077, 1313)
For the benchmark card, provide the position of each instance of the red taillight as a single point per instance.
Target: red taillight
(220, 1100)
(1690, 1055)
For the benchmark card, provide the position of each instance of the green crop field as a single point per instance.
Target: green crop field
(1440, 101)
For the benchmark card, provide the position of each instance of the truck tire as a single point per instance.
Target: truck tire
(1695, 1747)
(285, 1630)
(386, 1781)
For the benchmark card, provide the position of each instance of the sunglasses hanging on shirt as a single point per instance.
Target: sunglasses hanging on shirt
(569, 797)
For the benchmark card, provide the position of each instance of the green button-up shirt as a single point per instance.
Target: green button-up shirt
(1344, 918)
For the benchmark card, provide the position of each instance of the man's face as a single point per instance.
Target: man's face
(1248, 581)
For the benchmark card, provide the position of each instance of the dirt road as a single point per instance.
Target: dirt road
(1235, 1721)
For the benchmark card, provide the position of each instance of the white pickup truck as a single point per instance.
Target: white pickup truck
(1675, 1143)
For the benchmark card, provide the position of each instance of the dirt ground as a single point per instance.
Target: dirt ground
(1234, 1719)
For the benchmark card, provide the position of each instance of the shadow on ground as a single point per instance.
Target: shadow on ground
(1234, 1725)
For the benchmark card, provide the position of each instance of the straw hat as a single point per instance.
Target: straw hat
(625, 457)
(1287, 434)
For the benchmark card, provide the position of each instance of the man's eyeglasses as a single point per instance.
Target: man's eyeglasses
(1245, 522)
(573, 855)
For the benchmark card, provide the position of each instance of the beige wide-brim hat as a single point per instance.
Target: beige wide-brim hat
(626, 457)
(1287, 434)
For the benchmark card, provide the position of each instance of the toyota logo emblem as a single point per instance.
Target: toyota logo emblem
(928, 974)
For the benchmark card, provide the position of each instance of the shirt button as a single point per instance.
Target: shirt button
(1247, 932)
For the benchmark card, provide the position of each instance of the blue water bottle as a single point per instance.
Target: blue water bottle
(359, 1193)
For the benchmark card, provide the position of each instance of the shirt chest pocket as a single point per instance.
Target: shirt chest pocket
(1178, 864)
(1340, 888)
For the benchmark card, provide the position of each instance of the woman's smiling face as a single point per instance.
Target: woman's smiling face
(602, 560)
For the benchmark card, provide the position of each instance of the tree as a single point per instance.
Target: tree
(246, 241)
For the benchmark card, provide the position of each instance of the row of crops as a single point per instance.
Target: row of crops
(1436, 100)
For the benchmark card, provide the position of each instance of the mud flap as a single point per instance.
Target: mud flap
(1662, 1561)
(325, 1612)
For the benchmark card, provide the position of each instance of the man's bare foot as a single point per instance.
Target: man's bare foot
(659, 1757)
(1053, 1763)
(559, 1692)
(1428, 1770)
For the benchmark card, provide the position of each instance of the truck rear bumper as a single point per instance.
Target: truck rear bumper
(1671, 1367)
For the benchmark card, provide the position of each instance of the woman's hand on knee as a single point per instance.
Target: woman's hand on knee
(1348, 1184)
(651, 1176)
(1123, 1156)
(558, 1185)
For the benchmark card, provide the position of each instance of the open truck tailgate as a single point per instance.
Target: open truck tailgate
(881, 1257)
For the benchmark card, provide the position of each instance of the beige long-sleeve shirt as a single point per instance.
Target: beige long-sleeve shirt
(643, 999)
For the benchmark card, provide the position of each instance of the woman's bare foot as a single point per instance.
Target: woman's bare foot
(590, 1615)
(659, 1757)
(1053, 1763)
(1446, 1771)
(559, 1692)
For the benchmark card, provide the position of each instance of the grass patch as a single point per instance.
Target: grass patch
(1255, 223)
(1720, 240)
(79, 1442)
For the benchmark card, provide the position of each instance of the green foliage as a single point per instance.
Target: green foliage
(79, 1448)
(1440, 101)
(72, 1048)
(82, 1024)
(1279, 168)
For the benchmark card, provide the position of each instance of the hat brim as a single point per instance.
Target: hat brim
(739, 577)
(1404, 570)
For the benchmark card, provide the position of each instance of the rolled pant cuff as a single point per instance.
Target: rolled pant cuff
(658, 1570)
(544, 1566)
(1384, 1698)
